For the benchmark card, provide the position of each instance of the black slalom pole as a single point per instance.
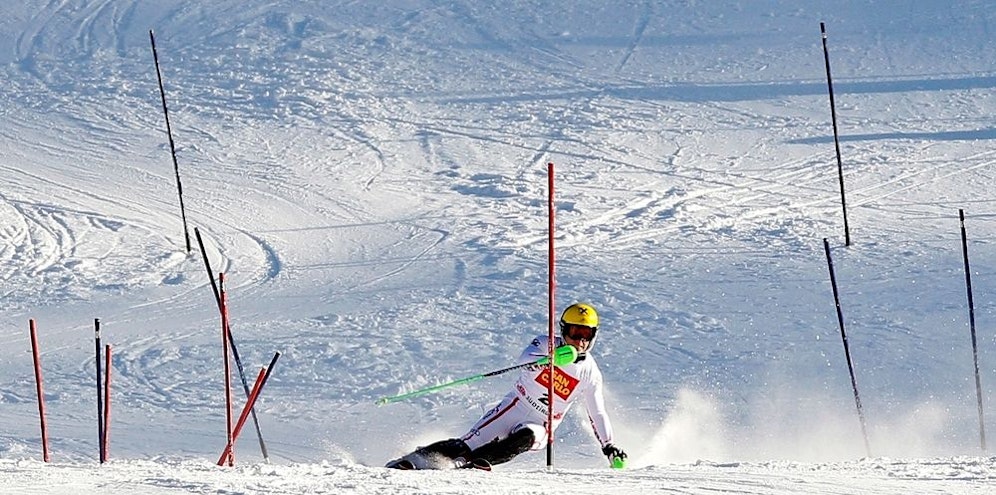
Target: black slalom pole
(971, 322)
(207, 265)
(269, 369)
(231, 343)
(836, 138)
(847, 351)
(100, 393)
(172, 147)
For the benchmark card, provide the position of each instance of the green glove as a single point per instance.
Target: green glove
(617, 458)
(562, 356)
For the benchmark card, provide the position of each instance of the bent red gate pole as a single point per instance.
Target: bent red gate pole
(38, 386)
(227, 453)
(257, 388)
(231, 343)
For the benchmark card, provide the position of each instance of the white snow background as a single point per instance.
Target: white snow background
(371, 177)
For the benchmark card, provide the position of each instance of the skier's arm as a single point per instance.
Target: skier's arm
(595, 404)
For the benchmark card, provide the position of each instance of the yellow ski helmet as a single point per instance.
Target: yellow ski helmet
(579, 314)
(583, 315)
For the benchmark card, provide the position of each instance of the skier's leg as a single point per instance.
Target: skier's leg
(521, 440)
(439, 455)
(497, 423)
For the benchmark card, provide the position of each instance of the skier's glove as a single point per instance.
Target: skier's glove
(613, 452)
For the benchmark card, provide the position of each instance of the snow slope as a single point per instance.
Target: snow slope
(372, 181)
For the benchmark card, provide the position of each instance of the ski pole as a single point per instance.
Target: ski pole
(565, 354)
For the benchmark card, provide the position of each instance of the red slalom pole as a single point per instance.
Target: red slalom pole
(551, 286)
(228, 367)
(38, 386)
(257, 388)
(231, 342)
(227, 453)
(107, 403)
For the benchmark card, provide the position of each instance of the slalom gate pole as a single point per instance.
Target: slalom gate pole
(228, 452)
(38, 386)
(552, 309)
(269, 369)
(971, 321)
(172, 146)
(564, 355)
(228, 368)
(836, 138)
(847, 351)
(107, 402)
(231, 343)
(100, 390)
(257, 389)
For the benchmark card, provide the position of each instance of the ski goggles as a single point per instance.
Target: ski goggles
(580, 332)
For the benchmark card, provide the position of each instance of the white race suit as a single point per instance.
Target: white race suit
(525, 405)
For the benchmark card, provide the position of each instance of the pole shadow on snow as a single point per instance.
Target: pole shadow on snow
(973, 135)
(722, 92)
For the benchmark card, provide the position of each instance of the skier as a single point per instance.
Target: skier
(517, 423)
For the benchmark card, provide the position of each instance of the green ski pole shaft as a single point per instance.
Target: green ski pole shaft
(563, 355)
(426, 391)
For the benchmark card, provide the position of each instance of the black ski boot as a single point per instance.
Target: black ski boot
(445, 454)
